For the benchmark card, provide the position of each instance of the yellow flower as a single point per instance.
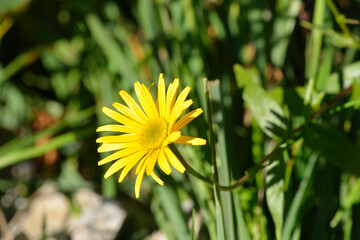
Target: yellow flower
(147, 132)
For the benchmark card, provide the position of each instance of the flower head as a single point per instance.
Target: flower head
(146, 132)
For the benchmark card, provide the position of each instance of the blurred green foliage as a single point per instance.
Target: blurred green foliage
(280, 64)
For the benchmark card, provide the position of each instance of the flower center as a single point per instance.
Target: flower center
(154, 133)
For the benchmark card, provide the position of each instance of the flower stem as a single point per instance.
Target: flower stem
(189, 169)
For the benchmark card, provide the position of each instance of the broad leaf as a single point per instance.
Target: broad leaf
(334, 147)
(264, 108)
(274, 193)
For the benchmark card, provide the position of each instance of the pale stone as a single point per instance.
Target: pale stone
(157, 235)
(48, 210)
(99, 219)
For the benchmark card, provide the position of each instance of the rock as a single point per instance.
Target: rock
(157, 235)
(86, 198)
(99, 219)
(48, 211)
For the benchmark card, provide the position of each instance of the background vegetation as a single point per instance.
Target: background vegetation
(289, 76)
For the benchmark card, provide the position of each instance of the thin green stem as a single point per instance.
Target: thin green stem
(249, 174)
(339, 18)
(189, 169)
(211, 133)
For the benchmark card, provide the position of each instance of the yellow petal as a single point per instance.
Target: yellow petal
(157, 179)
(138, 182)
(150, 100)
(172, 137)
(119, 154)
(106, 147)
(190, 140)
(145, 101)
(119, 164)
(151, 86)
(177, 109)
(163, 162)
(128, 112)
(186, 105)
(174, 161)
(161, 96)
(142, 162)
(117, 128)
(171, 97)
(187, 119)
(151, 162)
(120, 118)
(132, 104)
(118, 139)
(128, 167)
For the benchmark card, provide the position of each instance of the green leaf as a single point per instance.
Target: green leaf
(355, 94)
(70, 179)
(326, 141)
(350, 196)
(216, 22)
(264, 108)
(354, 195)
(275, 193)
(351, 72)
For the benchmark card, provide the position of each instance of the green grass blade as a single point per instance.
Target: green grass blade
(105, 96)
(292, 218)
(19, 143)
(20, 62)
(313, 48)
(242, 229)
(6, 6)
(257, 29)
(326, 68)
(220, 229)
(160, 218)
(193, 233)
(172, 207)
(284, 24)
(147, 18)
(201, 190)
(221, 157)
(38, 150)
(113, 52)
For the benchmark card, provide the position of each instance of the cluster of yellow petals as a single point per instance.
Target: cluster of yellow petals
(147, 131)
